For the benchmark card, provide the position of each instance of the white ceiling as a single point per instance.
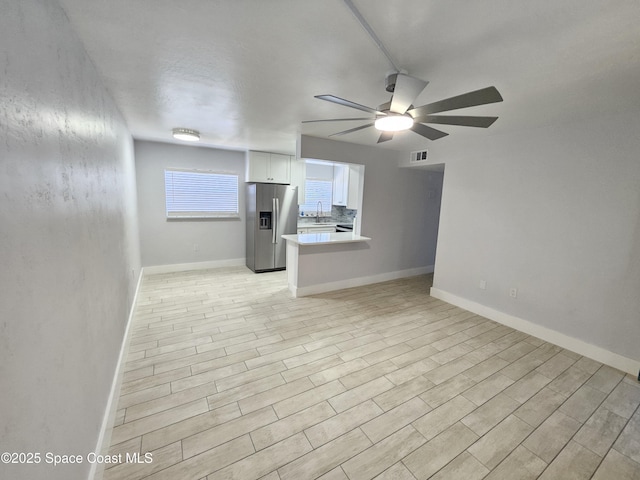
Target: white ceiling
(244, 72)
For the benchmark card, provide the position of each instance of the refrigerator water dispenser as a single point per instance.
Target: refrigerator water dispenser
(265, 221)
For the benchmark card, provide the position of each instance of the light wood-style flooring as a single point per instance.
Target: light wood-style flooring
(229, 377)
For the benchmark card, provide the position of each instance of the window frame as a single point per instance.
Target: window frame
(213, 213)
(326, 209)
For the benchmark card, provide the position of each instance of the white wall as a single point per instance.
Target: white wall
(319, 170)
(554, 212)
(68, 240)
(396, 213)
(172, 242)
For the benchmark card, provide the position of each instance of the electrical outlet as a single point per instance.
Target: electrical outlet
(513, 293)
(483, 285)
(195, 247)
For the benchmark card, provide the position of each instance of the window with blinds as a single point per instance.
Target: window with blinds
(317, 190)
(200, 194)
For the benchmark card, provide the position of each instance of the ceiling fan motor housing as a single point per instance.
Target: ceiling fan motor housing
(390, 82)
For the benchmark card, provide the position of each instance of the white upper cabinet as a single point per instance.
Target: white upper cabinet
(280, 168)
(353, 195)
(258, 164)
(264, 167)
(340, 184)
(298, 176)
(346, 185)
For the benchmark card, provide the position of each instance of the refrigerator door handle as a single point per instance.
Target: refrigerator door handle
(275, 237)
(274, 224)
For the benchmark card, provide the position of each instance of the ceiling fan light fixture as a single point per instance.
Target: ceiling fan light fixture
(186, 134)
(394, 123)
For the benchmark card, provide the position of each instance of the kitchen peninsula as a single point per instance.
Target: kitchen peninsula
(313, 256)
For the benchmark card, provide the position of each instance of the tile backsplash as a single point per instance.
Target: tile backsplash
(338, 215)
(343, 214)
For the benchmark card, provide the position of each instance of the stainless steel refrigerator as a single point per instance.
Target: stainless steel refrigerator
(272, 211)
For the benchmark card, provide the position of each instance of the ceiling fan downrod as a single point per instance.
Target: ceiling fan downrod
(372, 34)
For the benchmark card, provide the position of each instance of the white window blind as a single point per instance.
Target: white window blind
(317, 190)
(200, 194)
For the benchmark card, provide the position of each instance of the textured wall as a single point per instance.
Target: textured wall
(172, 242)
(69, 250)
(554, 213)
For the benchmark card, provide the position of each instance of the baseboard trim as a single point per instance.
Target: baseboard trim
(104, 438)
(182, 267)
(358, 282)
(547, 334)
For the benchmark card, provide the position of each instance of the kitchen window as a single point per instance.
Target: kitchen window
(200, 194)
(317, 190)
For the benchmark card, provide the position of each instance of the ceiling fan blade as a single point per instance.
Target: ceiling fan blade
(428, 132)
(406, 91)
(362, 127)
(347, 103)
(385, 136)
(470, 99)
(338, 120)
(464, 121)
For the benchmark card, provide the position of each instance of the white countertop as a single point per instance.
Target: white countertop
(324, 238)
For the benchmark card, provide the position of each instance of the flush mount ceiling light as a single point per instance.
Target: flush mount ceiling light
(394, 123)
(186, 135)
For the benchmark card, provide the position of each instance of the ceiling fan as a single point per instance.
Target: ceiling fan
(399, 114)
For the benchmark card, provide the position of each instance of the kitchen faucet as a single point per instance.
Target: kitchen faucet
(318, 212)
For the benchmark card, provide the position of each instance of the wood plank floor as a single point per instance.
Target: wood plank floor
(228, 377)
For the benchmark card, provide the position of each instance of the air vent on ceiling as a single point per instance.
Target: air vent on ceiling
(420, 156)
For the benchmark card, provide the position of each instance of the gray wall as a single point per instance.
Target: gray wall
(172, 242)
(554, 212)
(68, 240)
(396, 211)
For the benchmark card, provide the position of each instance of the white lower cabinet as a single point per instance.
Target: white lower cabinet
(317, 229)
